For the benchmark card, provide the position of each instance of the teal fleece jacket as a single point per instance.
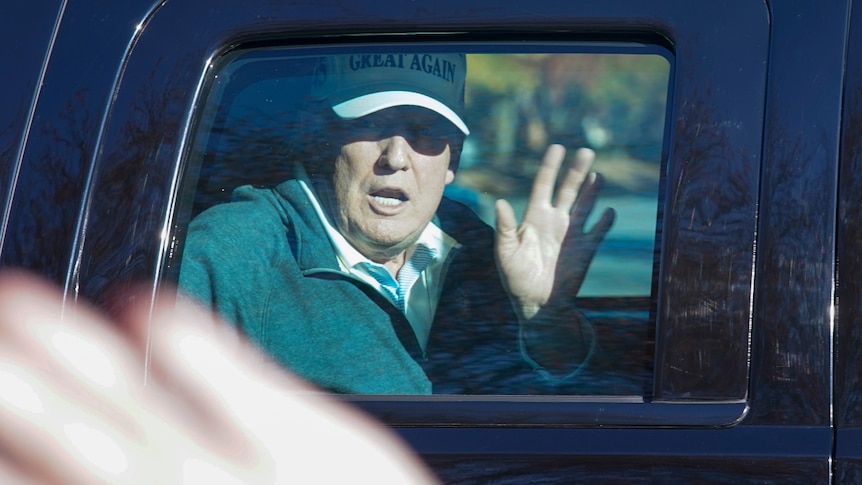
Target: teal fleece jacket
(264, 262)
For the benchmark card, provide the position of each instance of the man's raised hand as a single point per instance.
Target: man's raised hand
(546, 257)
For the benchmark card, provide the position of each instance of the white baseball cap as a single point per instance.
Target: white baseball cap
(356, 85)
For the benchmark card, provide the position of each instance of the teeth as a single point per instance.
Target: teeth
(386, 200)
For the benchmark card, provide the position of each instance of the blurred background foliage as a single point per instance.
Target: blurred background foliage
(248, 132)
(518, 104)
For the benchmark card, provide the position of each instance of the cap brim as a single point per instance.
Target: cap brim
(374, 102)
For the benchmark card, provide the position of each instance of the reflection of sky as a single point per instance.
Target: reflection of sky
(623, 265)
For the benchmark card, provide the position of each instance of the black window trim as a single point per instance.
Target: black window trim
(593, 20)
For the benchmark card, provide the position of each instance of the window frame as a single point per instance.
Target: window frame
(687, 391)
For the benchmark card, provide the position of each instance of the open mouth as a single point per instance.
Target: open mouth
(389, 197)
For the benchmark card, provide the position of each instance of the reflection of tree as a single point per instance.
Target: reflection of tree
(9, 140)
(789, 318)
(7, 156)
(254, 148)
(706, 282)
(43, 222)
(7, 160)
(131, 188)
(849, 337)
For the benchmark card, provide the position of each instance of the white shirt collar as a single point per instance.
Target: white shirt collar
(423, 296)
(432, 236)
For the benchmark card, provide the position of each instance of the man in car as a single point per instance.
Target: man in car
(361, 277)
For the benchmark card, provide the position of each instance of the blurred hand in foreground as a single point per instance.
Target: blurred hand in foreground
(74, 408)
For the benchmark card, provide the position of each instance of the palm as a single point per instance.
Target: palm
(548, 255)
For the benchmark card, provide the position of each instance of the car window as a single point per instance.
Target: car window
(252, 135)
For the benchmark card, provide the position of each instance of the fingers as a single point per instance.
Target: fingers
(600, 229)
(506, 238)
(73, 407)
(507, 225)
(12, 474)
(36, 420)
(73, 345)
(546, 176)
(65, 419)
(295, 429)
(586, 204)
(70, 410)
(579, 170)
(586, 201)
(60, 438)
(195, 358)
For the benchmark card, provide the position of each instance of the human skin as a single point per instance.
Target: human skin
(75, 407)
(545, 258)
(388, 180)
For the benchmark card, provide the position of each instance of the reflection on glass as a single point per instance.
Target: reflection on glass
(337, 322)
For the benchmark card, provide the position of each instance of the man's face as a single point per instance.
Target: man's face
(389, 177)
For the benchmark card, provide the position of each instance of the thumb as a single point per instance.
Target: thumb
(507, 228)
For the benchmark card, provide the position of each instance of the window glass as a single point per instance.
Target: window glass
(313, 175)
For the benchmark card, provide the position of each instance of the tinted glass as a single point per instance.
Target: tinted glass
(258, 127)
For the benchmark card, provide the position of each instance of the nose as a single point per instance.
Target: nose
(396, 153)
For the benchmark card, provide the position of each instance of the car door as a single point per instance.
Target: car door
(734, 347)
(848, 459)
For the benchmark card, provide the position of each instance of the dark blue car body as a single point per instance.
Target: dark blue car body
(757, 357)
